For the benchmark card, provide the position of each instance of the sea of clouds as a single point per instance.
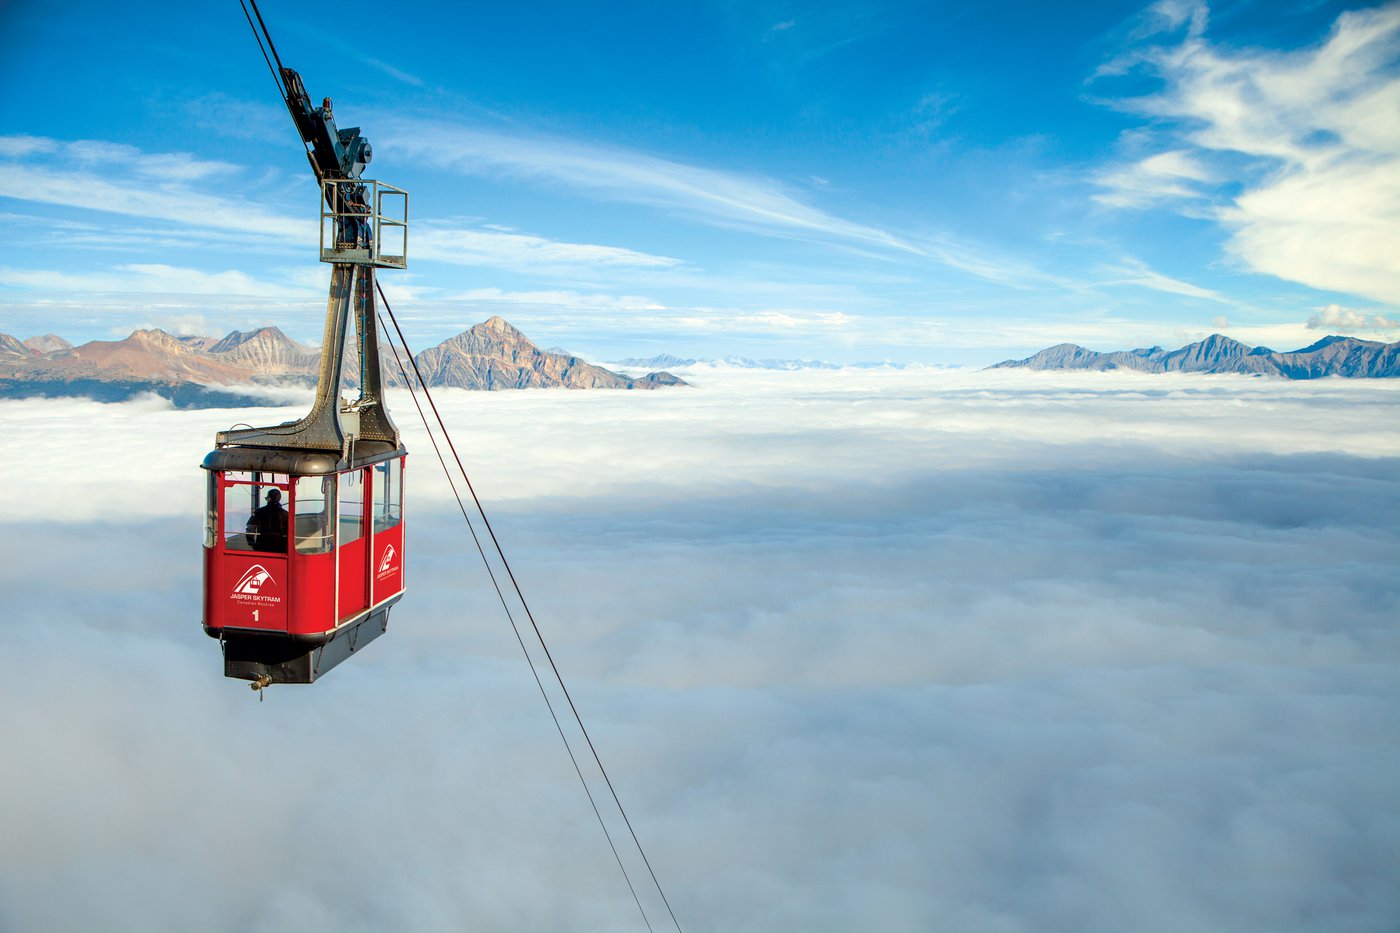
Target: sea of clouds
(862, 650)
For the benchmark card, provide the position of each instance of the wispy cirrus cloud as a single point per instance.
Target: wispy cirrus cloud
(465, 245)
(154, 278)
(1165, 176)
(174, 188)
(764, 321)
(1135, 272)
(315, 30)
(557, 298)
(722, 198)
(1296, 154)
(103, 177)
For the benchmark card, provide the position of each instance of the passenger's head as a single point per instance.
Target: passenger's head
(274, 496)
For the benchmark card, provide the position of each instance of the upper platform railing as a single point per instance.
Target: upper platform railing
(364, 222)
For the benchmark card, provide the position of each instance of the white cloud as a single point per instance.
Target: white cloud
(1316, 199)
(1160, 177)
(1166, 15)
(18, 147)
(1335, 317)
(862, 650)
(183, 325)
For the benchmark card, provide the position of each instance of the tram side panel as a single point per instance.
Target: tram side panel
(387, 552)
(353, 549)
(388, 563)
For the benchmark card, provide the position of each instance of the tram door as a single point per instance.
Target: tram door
(386, 520)
(251, 581)
(352, 548)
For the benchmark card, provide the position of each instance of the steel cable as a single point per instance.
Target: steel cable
(526, 606)
(504, 604)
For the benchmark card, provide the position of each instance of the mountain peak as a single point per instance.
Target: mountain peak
(154, 337)
(1335, 339)
(498, 326)
(494, 355)
(48, 343)
(238, 338)
(13, 346)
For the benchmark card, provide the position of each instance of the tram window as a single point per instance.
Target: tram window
(315, 514)
(352, 506)
(388, 494)
(211, 510)
(251, 521)
(240, 500)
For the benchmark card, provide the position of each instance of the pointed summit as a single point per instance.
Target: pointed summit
(498, 326)
(494, 355)
(266, 352)
(14, 347)
(48, 343)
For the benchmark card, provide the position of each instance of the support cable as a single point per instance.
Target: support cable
(266, 33)
(276, 75)
(500, 552)
(504, 605)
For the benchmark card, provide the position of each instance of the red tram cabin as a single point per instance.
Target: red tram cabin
(301, 561)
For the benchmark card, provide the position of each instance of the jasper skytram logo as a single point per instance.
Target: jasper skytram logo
(386, 563)
(249, 587)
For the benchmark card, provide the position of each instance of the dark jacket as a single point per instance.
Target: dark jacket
(267, 529)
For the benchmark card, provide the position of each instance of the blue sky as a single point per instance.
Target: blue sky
(850, 181)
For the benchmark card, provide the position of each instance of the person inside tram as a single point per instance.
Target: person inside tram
(267, 528)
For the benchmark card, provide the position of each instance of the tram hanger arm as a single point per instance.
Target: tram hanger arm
(334, 153)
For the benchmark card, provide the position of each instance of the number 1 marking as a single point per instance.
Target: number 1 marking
(255, 614)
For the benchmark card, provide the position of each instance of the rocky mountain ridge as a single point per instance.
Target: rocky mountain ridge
(1330, 356)
(489, 356)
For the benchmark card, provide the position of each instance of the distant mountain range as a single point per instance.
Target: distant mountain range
(737, 362)
(201, 371)
(1330, 356)
(745, 362)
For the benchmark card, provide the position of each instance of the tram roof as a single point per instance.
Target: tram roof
(298, 461)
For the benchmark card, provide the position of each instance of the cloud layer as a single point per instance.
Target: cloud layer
(976, 651)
